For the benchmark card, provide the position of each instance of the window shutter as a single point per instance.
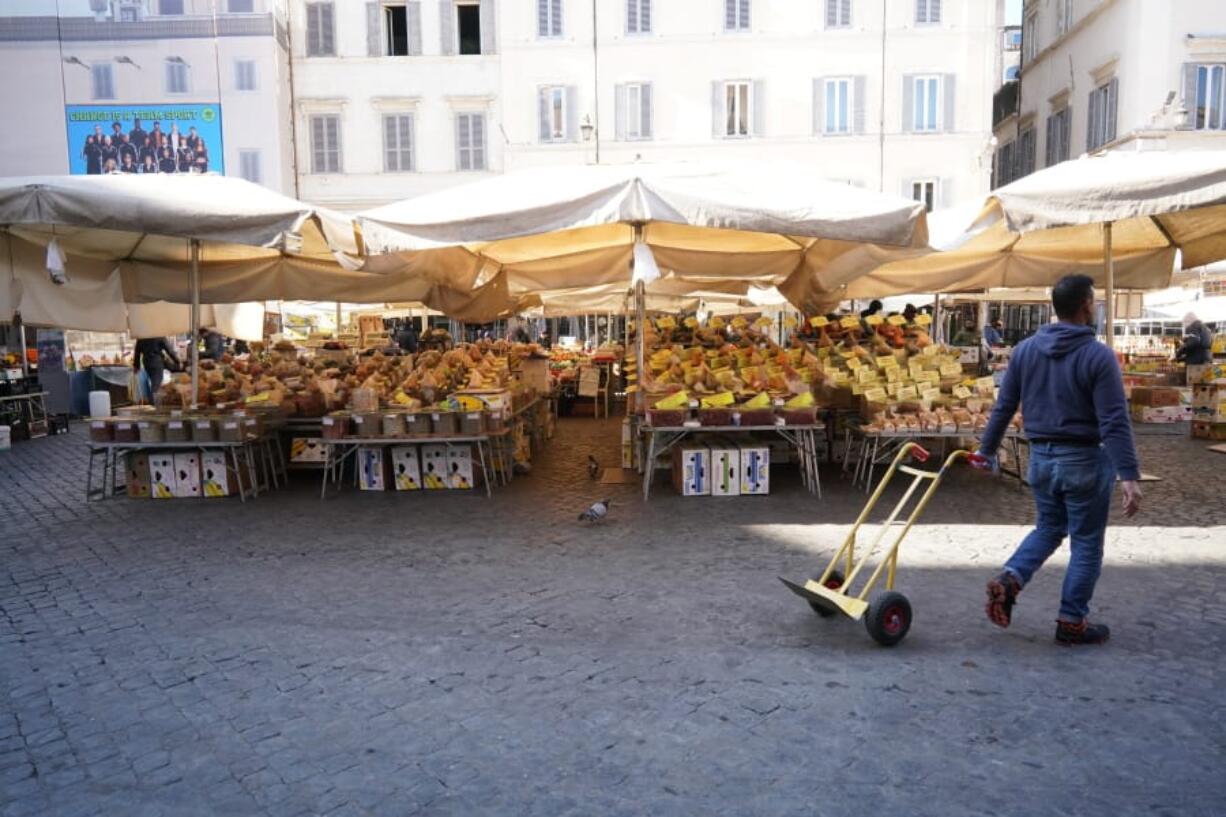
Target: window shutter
(759, 107)
(845, 12)
(374, 33)
(619, 112)
(544, 129)
(446, 27)
(948, 88)
(921, 11)
(934, 11)
(325, 26)
(632, 16)
(819, 99)
(644, 15)
(945, 195)
(542, 18)
(407, 142)
(743, 22)
(555, 22)
(908, 103)
(832, 13)
(461, 142)
(312, 30)
(572, 113)
(718, 123)
(478, 140)
(1049, 150)
(729, 15)
(334, 142)
(390, 157)
(1066, 135)
(488, 14)
(1189, 94)
(317, 144)
(859, 98)
(646, 126)
(413, 19)
(1113, 88)
(1090, 121)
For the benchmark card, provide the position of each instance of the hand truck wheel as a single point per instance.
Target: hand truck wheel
(888, 618)
(834, 581)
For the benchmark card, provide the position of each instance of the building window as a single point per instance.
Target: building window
(1030, 39)
(1004, 170)
(321, 41)
(1013, 39)
(553, 110)
(633, 112)
(396, 30)
(1026, 158)
(102, 80)
(1208, 111)
(927, 11)
(926, 93)
(244, 75)
(326, 143)
(129, 14)
(398, 143)
(170, 8)
(1100, 126)
(1013, 73)
(838, 104)
(925, 190)
(838, 13)
(176, 75)
(1058, 131)
(249, 165)
(736, 108)
(243, 7)
(1064, 17)
(549, 18)
(638, 16)
(468, 27)
(736, 15)
(470, 141)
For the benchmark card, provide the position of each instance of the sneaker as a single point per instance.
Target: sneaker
(1083, 632)
(1002, 593)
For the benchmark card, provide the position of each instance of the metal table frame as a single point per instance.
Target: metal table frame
(234, 451)
(32, 406)
(338, 451)
(873, 449)
(661, 439)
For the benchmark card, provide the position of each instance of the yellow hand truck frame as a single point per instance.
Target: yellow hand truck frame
(888, 616)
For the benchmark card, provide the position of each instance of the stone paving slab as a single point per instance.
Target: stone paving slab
(447, 654)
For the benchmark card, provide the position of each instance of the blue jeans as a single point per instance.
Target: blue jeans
(1072, 488)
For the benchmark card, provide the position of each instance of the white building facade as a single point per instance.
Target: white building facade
(393, 99)
(1112, 74)
(76, 65)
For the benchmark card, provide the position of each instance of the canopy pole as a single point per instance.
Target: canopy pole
(338, 320)
(194, 345)
(21, 333)
(640, 327)
(1110, 265)
(937, 334)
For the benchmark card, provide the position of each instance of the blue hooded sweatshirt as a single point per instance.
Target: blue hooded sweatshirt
(1069, 387)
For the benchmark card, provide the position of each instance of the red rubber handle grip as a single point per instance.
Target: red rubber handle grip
(919, 453)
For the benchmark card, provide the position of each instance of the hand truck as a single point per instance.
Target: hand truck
(888, 616)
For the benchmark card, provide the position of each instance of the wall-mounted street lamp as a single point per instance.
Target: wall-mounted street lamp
(127, 61)
(587, 128)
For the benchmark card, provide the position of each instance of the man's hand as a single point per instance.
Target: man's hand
(984, 462)
(1132, 496)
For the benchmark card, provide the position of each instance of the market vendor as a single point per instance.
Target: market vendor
(214, 344)
(1197, 347)
(993, 333)
(152, 353)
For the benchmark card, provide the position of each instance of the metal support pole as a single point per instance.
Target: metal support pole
(937, 334)
(1109, 263)
(193, 345)
(338, 319)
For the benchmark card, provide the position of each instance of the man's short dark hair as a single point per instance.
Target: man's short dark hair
(1070, 293)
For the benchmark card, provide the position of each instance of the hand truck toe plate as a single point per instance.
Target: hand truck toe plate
(832, 599)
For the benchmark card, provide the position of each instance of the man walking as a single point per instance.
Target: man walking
(153, 353)
(1072, 396)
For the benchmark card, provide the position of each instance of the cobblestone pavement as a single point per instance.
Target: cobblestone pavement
(447, 654)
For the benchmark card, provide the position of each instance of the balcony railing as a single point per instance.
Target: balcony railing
(1004, 101)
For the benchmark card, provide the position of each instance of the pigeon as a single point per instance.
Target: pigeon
(597, 512)
(593, 467)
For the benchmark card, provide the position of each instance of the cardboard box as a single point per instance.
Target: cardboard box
(1204, 430)
(1161, 414)
(1155, 396)
(725, 472)
(215, 478)
(692, 471)
(434, 467)
(534, 374)
(136, 475)
(460, 467)
(187, 474)
(373, 468)
(307, 449)
(162, 475)
(406, 468)
(755, 470)
(628, 447)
